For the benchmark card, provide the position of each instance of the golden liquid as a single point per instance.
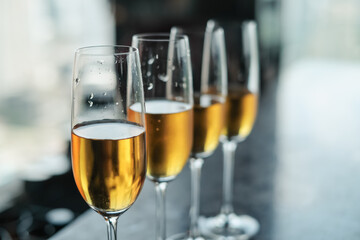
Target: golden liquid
(240, 113)
(109, 164)
(169, 131)
(208, 123)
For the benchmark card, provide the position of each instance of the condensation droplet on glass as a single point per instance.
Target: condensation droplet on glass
(77, 81)
(117, 103)
(100, 62)
(105, 93)
(157, 129)
(173, 68)
(184, 79)
(184, 85)
(158, 120)
(91, 96)
(105, 107)
(157, 56)
(158, 66)
(148, 74)
(90, 103)
(151, 61)
(122, 110)
(150, 86)
(163, 77)
(176, 84)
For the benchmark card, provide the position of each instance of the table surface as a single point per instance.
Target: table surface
(296, 173)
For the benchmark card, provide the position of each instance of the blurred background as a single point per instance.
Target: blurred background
(310, 66)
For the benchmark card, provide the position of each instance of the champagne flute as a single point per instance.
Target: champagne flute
(107, 147)
(166, 70)
(210, 88)
(240, 114)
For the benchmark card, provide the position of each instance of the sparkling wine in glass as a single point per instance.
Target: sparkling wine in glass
(168, 89)
(208, 55)
(107, 146)
(240, 114)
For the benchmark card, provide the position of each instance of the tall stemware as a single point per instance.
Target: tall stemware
(107, 147)
(210, 89)
(166, 70)
(240, 114)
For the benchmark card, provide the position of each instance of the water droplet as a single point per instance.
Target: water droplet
(100, 62)
(77, 80)
(104, 93)
(157, 129)
(122, 110)
(117, 103)
(176, 84)
(91, 96)
(150, 86)
(184, 85)
(148, 74)
(105, 107)
(91, 103)
(151, 61)
(163, 77)
(157, 56)
(173, 68)
(158, 120)
(158, 66)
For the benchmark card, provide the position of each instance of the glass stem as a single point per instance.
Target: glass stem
(229, 148)
(160, 189)
(195, 166)
(111, 223)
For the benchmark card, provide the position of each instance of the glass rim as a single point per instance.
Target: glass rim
(94, 50)
(157, 37)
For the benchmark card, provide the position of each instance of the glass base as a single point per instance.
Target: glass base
(186, 236)
(230, 227)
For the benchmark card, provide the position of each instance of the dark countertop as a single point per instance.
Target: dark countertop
(296, 173)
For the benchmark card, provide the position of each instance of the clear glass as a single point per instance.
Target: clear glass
(168, 88)
(240, 114)
(210, 89)
(107, 141)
